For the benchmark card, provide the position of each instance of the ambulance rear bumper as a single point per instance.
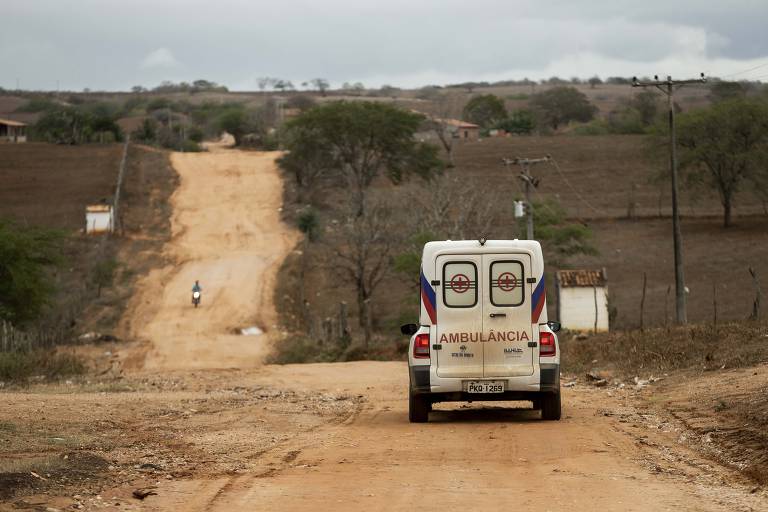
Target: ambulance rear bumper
(545, 379)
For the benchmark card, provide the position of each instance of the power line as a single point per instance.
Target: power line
(746, 70)
(573, 189)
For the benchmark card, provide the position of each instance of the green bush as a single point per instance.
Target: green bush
(595, 127)
(26, 256)
(521, 122)
(309, 223)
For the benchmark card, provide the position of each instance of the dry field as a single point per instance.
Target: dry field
(50, 185)
(596, 178)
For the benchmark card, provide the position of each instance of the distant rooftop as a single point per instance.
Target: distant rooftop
(8, 122)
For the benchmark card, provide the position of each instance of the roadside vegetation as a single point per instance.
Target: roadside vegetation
(658, 351)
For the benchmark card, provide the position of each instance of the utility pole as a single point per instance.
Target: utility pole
(530, 183)
(669, 87)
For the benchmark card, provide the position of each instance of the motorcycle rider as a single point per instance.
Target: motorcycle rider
(196, 288)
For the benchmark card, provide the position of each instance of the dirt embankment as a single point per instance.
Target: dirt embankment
(226, 233)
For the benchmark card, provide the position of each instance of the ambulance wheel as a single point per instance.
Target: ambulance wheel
(418, 408)
(550, 407)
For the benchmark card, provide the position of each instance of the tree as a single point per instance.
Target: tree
(358, 141)
(485, 110)
(26, 256)
(104, 274)
(724, 146)
(321, 84)
(283, 85)
(561, 239)
(521, 122)
(594, 82)
(561, 105)
(363, 246)
(721, 91)
(63, 126)
(147, 132)
(389, 91)
(647, 105)
(235, 121)
(265, 81)
(302, 102)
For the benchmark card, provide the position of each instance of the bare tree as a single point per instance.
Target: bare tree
(265, 81)
(321, 84)
(363, 246)
(458, 209)
(443, 126)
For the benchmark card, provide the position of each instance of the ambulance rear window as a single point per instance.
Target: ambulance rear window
(507, 283)
(460, 284)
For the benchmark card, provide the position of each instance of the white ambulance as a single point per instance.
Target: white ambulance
(483, 332)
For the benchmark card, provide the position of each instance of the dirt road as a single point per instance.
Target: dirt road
(606, 454)
(227, 233)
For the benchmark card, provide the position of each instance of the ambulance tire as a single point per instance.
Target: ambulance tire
(418, 408)
(550, 407)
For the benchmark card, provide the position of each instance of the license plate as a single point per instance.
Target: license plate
(485, 386)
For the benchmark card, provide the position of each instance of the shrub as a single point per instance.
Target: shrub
(309, 223)
(595, 127)
(26, 256)
(520, 122)
(20, 366)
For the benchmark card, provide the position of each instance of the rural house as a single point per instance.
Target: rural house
(458, 129)
(582, 299)
(12, 131)
(463, 130)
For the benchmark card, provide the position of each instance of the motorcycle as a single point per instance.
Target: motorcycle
(196, 298)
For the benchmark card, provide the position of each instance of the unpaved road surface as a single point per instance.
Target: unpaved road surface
(604, 455)
(226, 233)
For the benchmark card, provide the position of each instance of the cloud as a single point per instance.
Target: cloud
(160, 58)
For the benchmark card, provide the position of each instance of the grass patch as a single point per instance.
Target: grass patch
(655, 351)
(20, 366)
(300, 349)
(40, 465)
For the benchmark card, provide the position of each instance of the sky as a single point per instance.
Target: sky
(114, 45)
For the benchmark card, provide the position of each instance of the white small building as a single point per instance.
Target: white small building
(99, 219)
(582, 299)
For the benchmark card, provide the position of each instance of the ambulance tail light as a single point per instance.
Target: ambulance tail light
(421, 346)
(547, 347)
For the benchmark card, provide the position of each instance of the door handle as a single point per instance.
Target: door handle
(494, 315)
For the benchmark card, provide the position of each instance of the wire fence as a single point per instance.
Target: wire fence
(15, 340)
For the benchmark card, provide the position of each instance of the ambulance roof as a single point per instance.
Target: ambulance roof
(431, 249)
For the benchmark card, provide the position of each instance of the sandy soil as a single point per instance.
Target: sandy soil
(226, 234)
